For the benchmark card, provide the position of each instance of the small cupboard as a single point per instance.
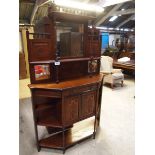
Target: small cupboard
(59, 106)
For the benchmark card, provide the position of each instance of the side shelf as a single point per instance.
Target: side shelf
(43, 106)
(47, 111)
(50, 122)
(78, 133)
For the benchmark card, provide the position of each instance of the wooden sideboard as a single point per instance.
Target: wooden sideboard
(59, 107)
(66, 84)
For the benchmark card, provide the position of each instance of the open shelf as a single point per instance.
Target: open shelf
(78, 133)
(43, 106)
(49, 122)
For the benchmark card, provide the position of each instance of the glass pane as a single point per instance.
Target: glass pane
(70, 39)
(92, 66)
(42, 72)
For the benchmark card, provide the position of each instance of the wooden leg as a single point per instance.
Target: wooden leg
(122, 83)
(63, 139)
(94, 135)
(38, 148)
(64, 151)
(112, 86)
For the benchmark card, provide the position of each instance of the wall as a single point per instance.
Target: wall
(20, 42)
(113, 37)
(25, 50)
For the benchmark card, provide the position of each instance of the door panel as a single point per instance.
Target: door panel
(71, 109)
(88, 104)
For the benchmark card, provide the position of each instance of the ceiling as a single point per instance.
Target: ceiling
(30, 11)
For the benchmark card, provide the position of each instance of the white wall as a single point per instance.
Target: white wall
(113, 37)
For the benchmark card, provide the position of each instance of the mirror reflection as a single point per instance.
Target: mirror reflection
(70, 39)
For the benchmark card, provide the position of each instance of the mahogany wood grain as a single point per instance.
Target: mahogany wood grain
(69, 84)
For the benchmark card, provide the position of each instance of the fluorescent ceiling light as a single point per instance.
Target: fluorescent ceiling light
(122, 9)
(119, 15)
(111, 28)
(102, 28)
(111, 2)
(79, 5)
(126, 29)
(113, 18)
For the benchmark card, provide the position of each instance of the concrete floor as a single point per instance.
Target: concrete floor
(116, 132)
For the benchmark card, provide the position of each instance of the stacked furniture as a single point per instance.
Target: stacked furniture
(66, 88)
(127, 66)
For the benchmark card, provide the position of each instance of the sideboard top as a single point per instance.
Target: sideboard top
(70, 83)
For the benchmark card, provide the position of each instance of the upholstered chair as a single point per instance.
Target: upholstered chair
(112, 76)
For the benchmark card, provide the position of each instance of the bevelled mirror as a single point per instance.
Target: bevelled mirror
(70, 39)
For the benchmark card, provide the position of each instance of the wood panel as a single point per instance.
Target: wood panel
(88, 104)
(68, 69)
(93, 43)
(22, 66)
(71, 110)
(40, 49)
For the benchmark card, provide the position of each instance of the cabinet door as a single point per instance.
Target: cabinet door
(87, 107)
(71, 109)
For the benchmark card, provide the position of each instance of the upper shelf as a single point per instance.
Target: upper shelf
(61, 16)
(64, 60)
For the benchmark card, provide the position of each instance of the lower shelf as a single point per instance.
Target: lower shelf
(79, 132)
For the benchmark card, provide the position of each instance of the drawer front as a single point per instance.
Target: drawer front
(47, 93)
(80, 90)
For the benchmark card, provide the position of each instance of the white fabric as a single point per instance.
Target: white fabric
(114, 75)
(117, 76)
(106, 64)
(124, 59)
(116, 71)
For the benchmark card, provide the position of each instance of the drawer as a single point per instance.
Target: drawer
(80, 90)
(47, 93)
